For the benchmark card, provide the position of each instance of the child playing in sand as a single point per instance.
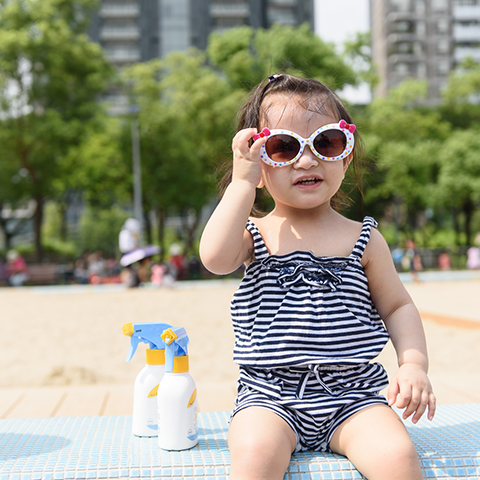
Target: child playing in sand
(319, 295)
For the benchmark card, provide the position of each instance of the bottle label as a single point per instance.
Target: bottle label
(192, 431)
(153, 392)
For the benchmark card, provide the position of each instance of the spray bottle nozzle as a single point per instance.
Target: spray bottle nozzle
(128, 329)
(176, 342)
(168, 336)
(149, 333)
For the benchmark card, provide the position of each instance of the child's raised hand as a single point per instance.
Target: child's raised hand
(410, 388)
(246, 158)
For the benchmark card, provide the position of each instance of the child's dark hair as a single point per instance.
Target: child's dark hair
(313, 96)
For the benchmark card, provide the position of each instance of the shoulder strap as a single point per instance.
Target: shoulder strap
(359, 248)
(259, 248)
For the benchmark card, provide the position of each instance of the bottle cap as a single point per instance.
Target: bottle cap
(155, 357)
(180, 364)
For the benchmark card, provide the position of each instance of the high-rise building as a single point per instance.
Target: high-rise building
(423, 39)
(139, 30)
(132, 31)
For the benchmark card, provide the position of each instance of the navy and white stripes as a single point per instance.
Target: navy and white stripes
(301, 310)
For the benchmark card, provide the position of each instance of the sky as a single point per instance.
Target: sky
(337, 21)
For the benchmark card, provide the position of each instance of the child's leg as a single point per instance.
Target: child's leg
(261, 444)
(377, 443)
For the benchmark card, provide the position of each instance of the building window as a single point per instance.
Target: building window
(403, 26)
(443, 66)
(421, 70)
(405, 48)
(439, 5)
(441, 25)
(420, 7)
(226, 22)
(401, 68)
(401, 5)
(466, 2)
(421, 29)
(443, 46)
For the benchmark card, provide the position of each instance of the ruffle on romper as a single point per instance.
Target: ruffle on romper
(316, 272)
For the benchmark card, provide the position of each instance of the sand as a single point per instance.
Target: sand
(73, 335)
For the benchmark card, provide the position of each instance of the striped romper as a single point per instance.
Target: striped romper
(306, 331)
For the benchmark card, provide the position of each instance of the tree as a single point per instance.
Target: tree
(185, 127)
(404, 141)
(459, 175)
(461, 97)
(52, 76)
(247, 56)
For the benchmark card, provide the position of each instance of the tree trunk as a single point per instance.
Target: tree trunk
(456, 225)
(161, 232)
(147, 222)
(37, 228)
(63, 221)
(190, 231)
(468, 210)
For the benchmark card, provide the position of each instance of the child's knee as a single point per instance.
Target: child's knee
(397, 455)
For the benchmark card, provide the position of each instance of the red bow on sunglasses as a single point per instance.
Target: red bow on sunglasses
(349, 126)
(264, 133)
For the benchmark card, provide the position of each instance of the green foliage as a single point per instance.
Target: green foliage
(52, 76)
(97, 166)
(99, 229)
(247, 56)
(55, 251)
(459, 175)
(358, 54)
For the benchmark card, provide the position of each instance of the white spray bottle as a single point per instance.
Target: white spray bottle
(177, 395)
(145, 410)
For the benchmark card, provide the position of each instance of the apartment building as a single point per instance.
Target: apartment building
(139, 30)
(132, 31)
(423, 39)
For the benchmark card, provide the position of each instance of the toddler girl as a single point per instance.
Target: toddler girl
(319, 299)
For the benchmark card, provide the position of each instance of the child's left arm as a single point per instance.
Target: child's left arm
(410, 387)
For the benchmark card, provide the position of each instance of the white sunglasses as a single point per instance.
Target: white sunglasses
(331, 142)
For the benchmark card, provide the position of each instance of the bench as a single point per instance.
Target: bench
(42, 274)
(104, 448)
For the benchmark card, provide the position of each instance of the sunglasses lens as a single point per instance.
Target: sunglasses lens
(282, 148)
(330, 143)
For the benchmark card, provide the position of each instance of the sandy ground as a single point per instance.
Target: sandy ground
(73, 336)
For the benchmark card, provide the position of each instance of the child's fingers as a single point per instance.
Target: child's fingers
(392, 393)
(241, 140)
(432, 405)
(409, 399)
(421, 407)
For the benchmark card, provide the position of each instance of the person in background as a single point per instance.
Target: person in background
(473, 258)
(17, 270)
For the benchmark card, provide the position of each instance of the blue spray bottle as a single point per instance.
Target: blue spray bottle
(177, 395)
(145, 412)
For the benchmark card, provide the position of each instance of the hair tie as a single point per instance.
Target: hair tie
(272, 78)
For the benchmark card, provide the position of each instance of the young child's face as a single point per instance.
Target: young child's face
(309, 182)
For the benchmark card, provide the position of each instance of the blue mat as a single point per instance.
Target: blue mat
(104, 448)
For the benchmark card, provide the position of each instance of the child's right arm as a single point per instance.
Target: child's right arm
(225, 242)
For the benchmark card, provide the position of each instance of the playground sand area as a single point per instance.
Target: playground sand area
(70, 336)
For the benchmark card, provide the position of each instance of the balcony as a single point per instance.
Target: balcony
(461, 53)
(470, 33)
(110, 33)
(123, 55)
(111, 10)
(466, 12)
(229, 11)
(282, 3)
